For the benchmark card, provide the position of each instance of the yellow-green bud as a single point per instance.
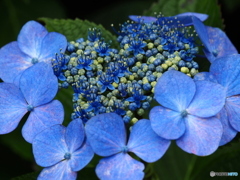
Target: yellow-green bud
(184, 70)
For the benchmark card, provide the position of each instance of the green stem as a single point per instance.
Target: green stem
(190, 168)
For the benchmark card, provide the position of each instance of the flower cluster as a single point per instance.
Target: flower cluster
(115, 94)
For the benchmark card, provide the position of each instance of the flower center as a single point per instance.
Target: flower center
(125, 149)
(34, 60)
(67, 155)
(184, 113)
(30, 107)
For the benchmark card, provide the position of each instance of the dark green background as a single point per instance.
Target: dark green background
(15, 13)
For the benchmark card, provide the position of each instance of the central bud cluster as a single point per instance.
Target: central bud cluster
(107, 80)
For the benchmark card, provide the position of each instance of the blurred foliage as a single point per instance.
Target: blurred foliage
(175, 164)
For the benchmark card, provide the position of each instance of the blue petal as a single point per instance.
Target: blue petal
(81, 157)
(145, 143)
(174, 90)
(41, 118)
(204, 76)
(201, 30)
(75, 134)
(208, 100)
(60, 171)
(144, 19)
(233, 111)
(49, 146)
(52, 43)
(186, 18)
(227, 72)
(219, 44)
(12, 107)
(118, 167)
(228, 131)
(13, 61)
(38, 84)
(106, 133)
(30, 38)
(202, 136)
(166, 123)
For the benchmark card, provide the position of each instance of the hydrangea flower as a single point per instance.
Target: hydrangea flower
(215, 41)
(37, 88)
(226, 71)
(183, 18)
(34, 44)
(107, 136)
(62, 151)
(187, 112)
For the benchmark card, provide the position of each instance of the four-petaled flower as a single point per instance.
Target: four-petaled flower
(62, 151)
(187, 112)
(37, 88)
(34, 44)
(215, 41)
(226, 71)
(107, 136)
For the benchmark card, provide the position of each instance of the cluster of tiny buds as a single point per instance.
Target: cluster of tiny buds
(122, 81)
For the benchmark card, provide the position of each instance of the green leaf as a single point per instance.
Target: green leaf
(74, 29)
(174, 7)
(65, 97)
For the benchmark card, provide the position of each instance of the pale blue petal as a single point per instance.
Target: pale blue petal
(12, 107)
(202, 136)
(204, 76)
(144, 19)
(145, 143)
(41, 118)
(106, 133)
(75, 134)
(219, 43)
(49, 146)
(227, 72)
(38, 84)
(174, 90)
(209, 99)
(81, 157)
(60, 171)
(233, 111)
(13, 60)
(30, 38)
(118, 167)
(228, 131)
(52, 43)
(167, 123)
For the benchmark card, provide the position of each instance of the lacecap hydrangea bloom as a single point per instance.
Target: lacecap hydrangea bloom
(34, 44)
(62, 151)
(37, 88)
(187, 112)
(226, 72)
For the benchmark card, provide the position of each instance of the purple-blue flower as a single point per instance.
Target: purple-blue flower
(37, 88)
(215, 41)
(226, 71)
(187, 112)
(62, 151)
(34, 44)
(107, 136)
(182, 19)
